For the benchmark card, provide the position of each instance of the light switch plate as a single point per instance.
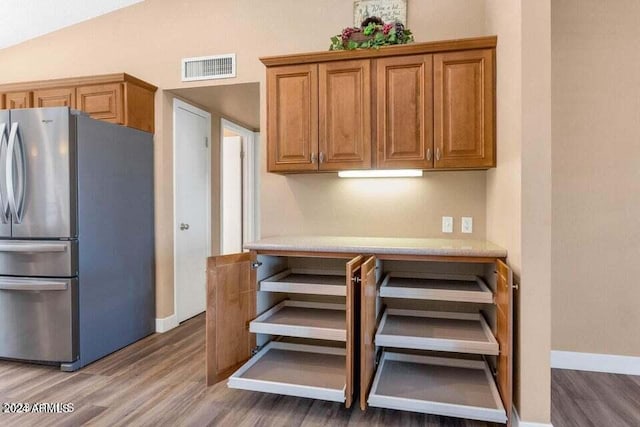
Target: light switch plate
(467, 224)
(447, 224)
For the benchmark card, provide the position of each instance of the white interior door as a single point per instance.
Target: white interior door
(232, 195)
(192, 128)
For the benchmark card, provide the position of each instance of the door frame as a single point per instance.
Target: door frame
(250, 177)
(178, 103)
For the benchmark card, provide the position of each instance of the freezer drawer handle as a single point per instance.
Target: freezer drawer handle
(35, 285)
(4, 204)
(33, 247)
(17, 207)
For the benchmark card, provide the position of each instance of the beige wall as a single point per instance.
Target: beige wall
(519, 189)
(596, 176)
(149, 39)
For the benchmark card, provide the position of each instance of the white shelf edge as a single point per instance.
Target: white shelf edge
(312, 392)
(489, 347)
(273, 283)
(258, 326)
(484, 296)
(496, 415)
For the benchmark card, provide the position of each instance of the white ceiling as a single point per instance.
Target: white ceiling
(22, 20)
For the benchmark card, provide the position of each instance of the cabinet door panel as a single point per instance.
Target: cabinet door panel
(60, 97)
(353, 275)
(404, 112)
(292, 118)
(463, 111)
(368, 326)
(345, 115)
(13, 100)
(102, 102)
(504, 333)
(231, 304)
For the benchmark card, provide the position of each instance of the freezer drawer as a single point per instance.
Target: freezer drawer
(38, 319)
(38, 258)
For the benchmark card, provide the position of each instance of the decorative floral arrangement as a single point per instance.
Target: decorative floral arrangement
(373, 33)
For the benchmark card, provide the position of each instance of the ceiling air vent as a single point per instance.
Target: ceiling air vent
(209, 67)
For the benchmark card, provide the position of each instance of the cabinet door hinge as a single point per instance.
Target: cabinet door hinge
(255, 265)
(356, 279)
(378, 357)
(206, 141)
(255, 350)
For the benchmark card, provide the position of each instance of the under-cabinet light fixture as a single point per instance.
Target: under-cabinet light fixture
(381, 173)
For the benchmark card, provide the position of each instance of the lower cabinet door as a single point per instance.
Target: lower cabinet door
(435, 385)
(315, 372)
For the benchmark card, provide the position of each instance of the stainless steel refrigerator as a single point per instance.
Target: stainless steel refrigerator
(76, 237)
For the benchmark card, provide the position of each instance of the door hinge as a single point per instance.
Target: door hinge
(255, 265)
(356, 280)
(206, 141)
(242, 154)
(378, 357)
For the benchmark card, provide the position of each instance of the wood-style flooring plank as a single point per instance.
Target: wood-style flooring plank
(160, 381)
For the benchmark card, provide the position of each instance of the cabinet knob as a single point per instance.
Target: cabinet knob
(321, 157)
(438, 153)
(313, 157)
(429, 154)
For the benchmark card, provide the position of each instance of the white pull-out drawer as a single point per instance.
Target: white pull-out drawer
(315, 372)
(440, 386)
(437, 287)
(303, 319)
(436, 330)
(302, 281)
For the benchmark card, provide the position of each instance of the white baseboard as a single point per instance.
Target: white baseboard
(593, 362)
(517, 422)
(166, 324)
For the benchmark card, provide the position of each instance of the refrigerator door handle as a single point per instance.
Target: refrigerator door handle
(17, 207)
(32, 285)
(32, 248)
(4, 204)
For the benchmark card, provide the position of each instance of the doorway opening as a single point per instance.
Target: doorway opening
(237, 186)
(232, 116)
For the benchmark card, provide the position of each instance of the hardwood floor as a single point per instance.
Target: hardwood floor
(159, 381)
(594, 399)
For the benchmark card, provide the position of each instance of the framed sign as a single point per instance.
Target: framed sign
(388, 10)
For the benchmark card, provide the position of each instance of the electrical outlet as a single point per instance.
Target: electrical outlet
(466, 224)
(447, 224)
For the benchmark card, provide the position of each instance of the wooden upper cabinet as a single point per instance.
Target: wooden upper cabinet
(116, 98)
(58, 97)
(292, 114)
(404, 112)
(464, 109)
(103, 102)
(21, 99)
(420, 105)
(345, 115)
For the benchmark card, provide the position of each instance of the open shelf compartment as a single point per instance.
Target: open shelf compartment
(303, 319)
(440, 386)
(306, 281)
(436, 331)
(315, 372)
(437, 287)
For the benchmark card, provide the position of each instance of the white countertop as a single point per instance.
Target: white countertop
(380, 245)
